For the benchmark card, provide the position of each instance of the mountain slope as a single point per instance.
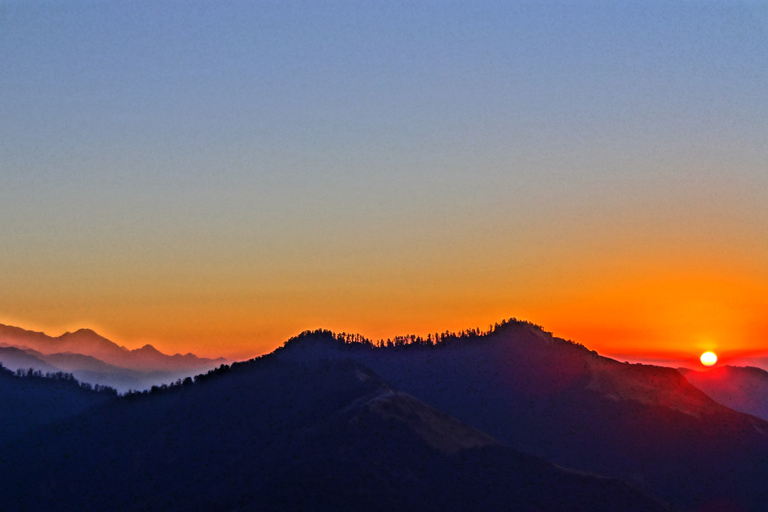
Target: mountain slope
(27, 403)
(560, 401)
(278, 435)
(424, 459)
(743, 389)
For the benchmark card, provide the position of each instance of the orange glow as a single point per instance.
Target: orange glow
(621, 304)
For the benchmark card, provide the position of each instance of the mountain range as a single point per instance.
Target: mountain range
(94, 359)
(511, 419)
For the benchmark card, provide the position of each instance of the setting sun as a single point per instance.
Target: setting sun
(708, 358)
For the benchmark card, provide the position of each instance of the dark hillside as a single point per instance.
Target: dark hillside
(33, 400)
(562, 402)
(279, 435)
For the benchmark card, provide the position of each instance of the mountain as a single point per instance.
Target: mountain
(83, 341)
(93, 371)
(89, 343)
(564, 403)
(474, 421)
(17, 359)
(743, 389)
(273, 434)
(88, 369)
(30, 402)
(149, 358)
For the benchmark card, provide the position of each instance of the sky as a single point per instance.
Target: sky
(216, 177)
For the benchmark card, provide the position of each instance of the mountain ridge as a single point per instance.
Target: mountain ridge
(89, 343)
(559, 400)
(511, 393)
(94, 359)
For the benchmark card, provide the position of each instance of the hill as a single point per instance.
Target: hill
(562, 402)
(29, 401)
(282, 435)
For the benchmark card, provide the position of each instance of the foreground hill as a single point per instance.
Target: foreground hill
(281, 435)
(743, 389)
(32, 401)
(562, 402)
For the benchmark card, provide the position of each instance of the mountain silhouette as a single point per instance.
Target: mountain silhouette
(743, 389)
(88, 343)
(509, 419)
(562, 402)
(31, 401)
(280, 435)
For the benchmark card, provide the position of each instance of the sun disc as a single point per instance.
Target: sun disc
(708, 358)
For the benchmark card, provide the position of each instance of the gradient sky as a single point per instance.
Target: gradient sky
(218, 176)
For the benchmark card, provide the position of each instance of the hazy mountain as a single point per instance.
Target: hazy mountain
(568, 405)
(91, 370)
(84, 341)
(27, 403)
(741, 388)
(275, 435)
(88, 369)
(89, 343)
(15, 358)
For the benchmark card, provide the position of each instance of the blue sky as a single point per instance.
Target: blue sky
(265, 156)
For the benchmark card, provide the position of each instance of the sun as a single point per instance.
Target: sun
(708, 358)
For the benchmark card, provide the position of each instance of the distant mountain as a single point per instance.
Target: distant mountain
(149, 358)
(15, 358)
(743, 389)
(67, 361)
(88, 369)
(83, 341)
(89, 343)
(27, 403)
(273, 434)
(562, 402)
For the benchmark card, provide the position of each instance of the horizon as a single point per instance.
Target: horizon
(669, 359)
(217, 179)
